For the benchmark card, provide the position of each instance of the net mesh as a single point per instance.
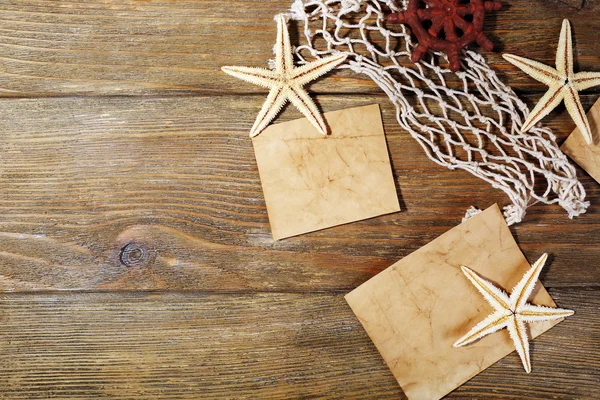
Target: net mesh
(468, 120)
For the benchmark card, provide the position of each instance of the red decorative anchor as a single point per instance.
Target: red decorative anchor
(446, 25)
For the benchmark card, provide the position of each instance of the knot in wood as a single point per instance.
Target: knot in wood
(135, 255)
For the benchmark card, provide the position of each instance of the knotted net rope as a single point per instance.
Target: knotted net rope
(468, 120)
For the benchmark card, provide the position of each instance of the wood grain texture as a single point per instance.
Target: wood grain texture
(276, 346)
(84, 177)
(129, 47)
(146, 180)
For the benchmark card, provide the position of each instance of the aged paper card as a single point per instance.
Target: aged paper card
(416, 309)
(587, 156)
(312, 182)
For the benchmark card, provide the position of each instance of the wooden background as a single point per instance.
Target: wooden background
(135, 254)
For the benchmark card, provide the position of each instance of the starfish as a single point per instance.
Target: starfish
(563, 82)
(286, 82)
(511, 312)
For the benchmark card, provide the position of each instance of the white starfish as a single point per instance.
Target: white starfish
(511, 312)
(286, 82)
(564, 84)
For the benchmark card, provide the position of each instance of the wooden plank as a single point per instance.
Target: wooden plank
(116, 193)
(164, 47)
(190, 346)
(576, 4)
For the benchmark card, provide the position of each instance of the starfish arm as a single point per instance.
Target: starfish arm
(547, 103)
(523, 289)
(284, 59)
(311, 71)
(586, 80)
(538, 71)
(496, 297)
(575, 109)
(564, 53)
(275, 101)
(300, 98)
(533, 313)
(257, 76)
(518, 334)
(491, 324)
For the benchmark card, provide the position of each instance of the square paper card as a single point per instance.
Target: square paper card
(416, 309)
(312, 182)
(587, 156)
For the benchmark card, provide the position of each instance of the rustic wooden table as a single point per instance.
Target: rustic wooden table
(135, 254)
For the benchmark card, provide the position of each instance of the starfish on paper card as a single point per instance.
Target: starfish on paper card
(563, 82)
(286, 82)
(511, 312)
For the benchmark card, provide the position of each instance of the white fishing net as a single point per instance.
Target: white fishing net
(468, 120)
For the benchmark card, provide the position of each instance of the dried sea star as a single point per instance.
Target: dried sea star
(286, 82)
(511, 312)
(563, 82)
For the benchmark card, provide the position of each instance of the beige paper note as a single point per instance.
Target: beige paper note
(587, 156)
(312, 182)
(416, 309)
